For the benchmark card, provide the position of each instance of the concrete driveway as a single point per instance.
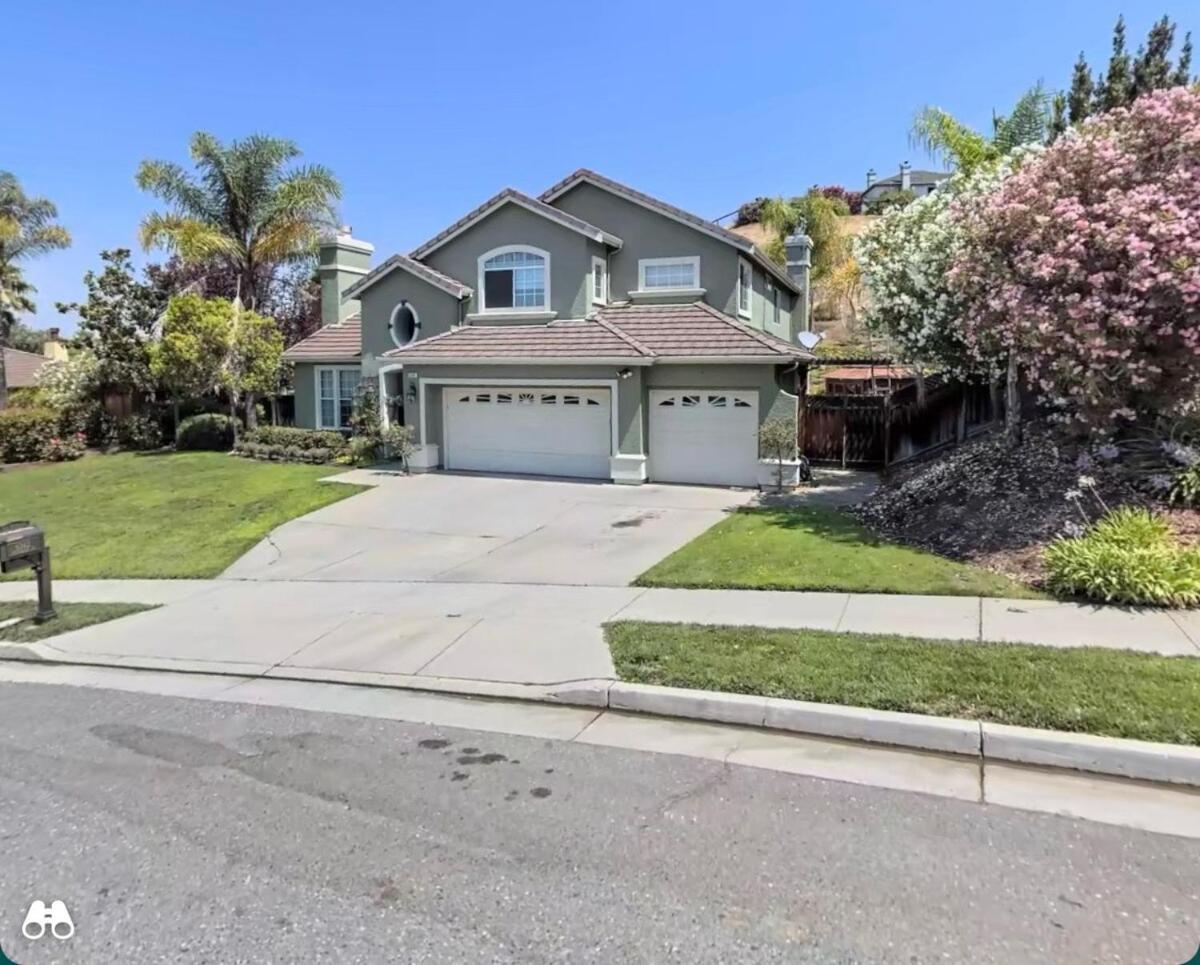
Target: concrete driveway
(485, 529)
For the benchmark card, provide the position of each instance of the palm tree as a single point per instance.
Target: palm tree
(946, 138)
(243, 208)
(27, 229)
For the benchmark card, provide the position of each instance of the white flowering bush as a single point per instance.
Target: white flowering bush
(72, 389)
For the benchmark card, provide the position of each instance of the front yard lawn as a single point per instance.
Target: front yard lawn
(187, 514)
(1117, 693)
(71, 616)
(816, 548)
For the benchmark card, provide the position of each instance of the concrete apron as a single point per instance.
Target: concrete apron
(1154, 787)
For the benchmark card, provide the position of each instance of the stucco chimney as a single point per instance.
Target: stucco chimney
(799, 265)
(870, 177)
(343, 261)
(53, 348)
(905, 176)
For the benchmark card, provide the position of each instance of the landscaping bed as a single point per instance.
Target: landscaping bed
(178, 515)
(816, 548)
(71, 616)
(1114, 693)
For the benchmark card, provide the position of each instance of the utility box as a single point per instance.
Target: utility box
(23, 546)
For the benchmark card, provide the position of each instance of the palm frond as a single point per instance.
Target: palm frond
(193, 240)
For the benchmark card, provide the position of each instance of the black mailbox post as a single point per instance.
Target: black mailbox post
(23, 545)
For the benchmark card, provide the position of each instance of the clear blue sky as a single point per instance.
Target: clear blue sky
(424, 109)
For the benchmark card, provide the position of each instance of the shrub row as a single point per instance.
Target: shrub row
(261, 450)
(289, 437)
(208, 431)
(26, 433)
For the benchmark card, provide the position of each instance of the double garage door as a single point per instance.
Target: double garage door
(544, 431)
(703, 436)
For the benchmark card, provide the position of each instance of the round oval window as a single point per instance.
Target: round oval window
(404, 324)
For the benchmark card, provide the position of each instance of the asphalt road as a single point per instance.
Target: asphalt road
(187, 831)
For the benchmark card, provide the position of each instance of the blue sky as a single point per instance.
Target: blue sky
(425, 109)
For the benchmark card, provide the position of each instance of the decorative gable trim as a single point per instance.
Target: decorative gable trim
(533, 205)
(450, 286)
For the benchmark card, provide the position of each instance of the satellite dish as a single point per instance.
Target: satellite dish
(809, 340)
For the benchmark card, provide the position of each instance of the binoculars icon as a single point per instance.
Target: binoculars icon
(56, 918)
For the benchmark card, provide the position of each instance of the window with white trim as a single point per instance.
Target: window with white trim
(669, 274)
(335, 396)
(404, 323)
(774, 303)
(745, 285)
(599, 281)
(514, 279)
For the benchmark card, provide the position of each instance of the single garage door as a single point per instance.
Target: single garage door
(704, 436)
(542, 431)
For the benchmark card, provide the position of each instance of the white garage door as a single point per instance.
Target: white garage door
(543, 431)
(704, 436)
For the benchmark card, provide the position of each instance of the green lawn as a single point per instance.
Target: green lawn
(1118, 693)
(187, 514)
(816, 549)
(71, 616)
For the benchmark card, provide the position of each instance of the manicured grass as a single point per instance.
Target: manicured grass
(816, 548)
(71, 616)
(187, 514)
(1117, 693)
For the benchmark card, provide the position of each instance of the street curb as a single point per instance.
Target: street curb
(1137, 760)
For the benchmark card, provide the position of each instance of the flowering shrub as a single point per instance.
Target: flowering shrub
(63, 448)
(25, 432)
(1088, 259)
(1129, 556)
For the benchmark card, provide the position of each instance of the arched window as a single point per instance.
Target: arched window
(515, 278)
(404, 323)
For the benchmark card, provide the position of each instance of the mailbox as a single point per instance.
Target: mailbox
(22, 546)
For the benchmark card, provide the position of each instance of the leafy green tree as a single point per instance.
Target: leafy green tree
(244, 207)
(1183, 68)
(1112, 89)
(1152, 68)
(254, 362)
(890, 201)
(189, 358)
(816, 214)
(116, 322)
(1058, 116)
(1083, 91)
(26, 338)
(28, 228)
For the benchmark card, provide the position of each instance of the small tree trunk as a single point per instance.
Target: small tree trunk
(3, 380)
(251, 411)
(1012, 401)
(233, 416)
(175, 416)
(274, 410)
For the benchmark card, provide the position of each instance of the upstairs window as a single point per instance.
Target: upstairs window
(599, 281)
(515, 279)
(404, 323)
(745, 285)
(669, 274)
(775, 303)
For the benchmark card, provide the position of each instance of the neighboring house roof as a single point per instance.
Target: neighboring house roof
(331, 343)
(513, 196)
(634, 334)
(21, 368)
(865, 372)
(696, 330)
(450, 286)
(914, 177)
(676, 214)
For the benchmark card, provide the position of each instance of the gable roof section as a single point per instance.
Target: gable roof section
(696, 330)
(710, 228)
(451, 286)
(513, 196)
(915, 177)
(21, 368)
(633, 334)
(330, 343)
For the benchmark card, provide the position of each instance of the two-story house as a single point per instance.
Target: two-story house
(592, 332)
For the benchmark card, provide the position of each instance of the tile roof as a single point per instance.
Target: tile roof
(451, 286)
(695, 330)
(671, 211)
(330, 343)
(915, 177)
(513, 196)
(21, 368)
(638, 333)
(581, 339)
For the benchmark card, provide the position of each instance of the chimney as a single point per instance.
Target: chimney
(870, 177)
(799, 264)
(343, 261)
(905, 176)
(53, 348)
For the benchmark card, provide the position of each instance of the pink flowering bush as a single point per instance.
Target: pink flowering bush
(1087, 260)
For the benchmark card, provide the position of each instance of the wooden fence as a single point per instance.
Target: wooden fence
(885, 430)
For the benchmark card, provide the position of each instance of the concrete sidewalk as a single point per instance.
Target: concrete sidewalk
(523, 634)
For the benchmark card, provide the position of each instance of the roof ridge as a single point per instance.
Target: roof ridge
(625, 337)
(32, 355)
(754, 333)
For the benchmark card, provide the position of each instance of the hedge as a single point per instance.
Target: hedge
(211, 431)
(288, 437)
(24, 433)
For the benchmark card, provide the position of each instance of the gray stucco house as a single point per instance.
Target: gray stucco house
(920, 183)
(593, 332)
